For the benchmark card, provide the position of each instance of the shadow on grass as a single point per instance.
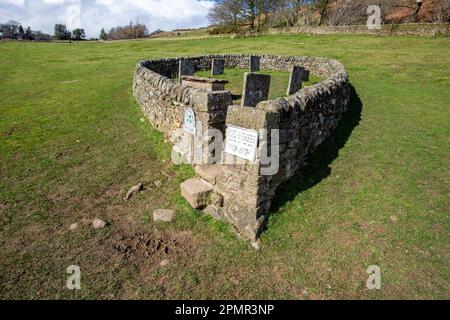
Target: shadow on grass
(316, 167)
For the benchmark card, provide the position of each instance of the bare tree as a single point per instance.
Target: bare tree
(441, 11)
(347, 12)
(289, 10)
(227, 12)
(322, 6)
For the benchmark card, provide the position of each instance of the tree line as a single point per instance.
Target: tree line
(254, 15)
(14, 30)
(131, 31)
(62, 33)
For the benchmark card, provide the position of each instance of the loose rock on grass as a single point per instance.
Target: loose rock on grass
(163, 215)
(134, 190)
(98, 224)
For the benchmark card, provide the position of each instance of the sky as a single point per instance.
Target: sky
(92, 15)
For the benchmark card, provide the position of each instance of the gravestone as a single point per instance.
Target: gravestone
(217, 67)
(295, 80)
(256, 89)
(305, 75)
(254, 64)
(187, 68)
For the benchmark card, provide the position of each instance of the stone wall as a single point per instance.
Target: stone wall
(238, 191)
(421, 29)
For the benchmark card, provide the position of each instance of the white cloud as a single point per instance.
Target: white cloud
(92, 15)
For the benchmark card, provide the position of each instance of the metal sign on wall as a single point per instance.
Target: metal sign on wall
(189, 121)
(241, 142)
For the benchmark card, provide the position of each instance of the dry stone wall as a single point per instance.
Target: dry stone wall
(237, 190)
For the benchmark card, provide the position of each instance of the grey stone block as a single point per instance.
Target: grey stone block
(196, 191)
(212, 101)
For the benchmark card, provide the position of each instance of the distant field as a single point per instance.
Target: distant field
(184, 33)
(375, 193)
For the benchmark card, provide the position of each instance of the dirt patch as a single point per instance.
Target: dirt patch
(155, 246)
(3, 207)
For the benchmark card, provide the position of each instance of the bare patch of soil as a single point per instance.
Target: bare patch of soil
(155, 246)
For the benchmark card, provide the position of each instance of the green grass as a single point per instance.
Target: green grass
(375, 193)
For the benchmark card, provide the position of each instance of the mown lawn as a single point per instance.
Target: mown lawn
(375, 193)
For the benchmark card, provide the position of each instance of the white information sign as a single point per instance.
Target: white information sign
(241, 142)
(189, 121)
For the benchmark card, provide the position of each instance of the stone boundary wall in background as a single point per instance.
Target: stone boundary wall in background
(239, 193)
(421, 29)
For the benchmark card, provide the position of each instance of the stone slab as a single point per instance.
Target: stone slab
(209, 172)
(217, 67)
(256, 89)
(208, 84)
(255, 63)
(186, 68)
(295, 80)
(163, 215)
(196, 191)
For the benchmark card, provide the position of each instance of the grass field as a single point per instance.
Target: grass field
(375, 193)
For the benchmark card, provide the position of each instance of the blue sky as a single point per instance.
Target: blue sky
(92, 15)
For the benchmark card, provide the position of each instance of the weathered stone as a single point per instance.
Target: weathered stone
(216, 199)
(217, 67)
(163, 215)
(257, 244)
(134, 190)
(208, 84)
(212, 101)
(209, 173)
(186, 68)
(73, 226)
(196, 191)
(255, 64)
(252, 118)
(164, 263)
(214, 212)
(295, 80)
(256, 89)
(98, 224)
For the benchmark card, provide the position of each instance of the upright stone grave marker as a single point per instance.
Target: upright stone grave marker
(305, 75)
(187, 68)
(256, 89)
(217, 67)
(295, 80)
(255, 64)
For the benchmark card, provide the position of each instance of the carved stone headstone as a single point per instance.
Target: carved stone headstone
(256, 89)
(187, 68)
(295, 80)
(217, 66)
(254, 64)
